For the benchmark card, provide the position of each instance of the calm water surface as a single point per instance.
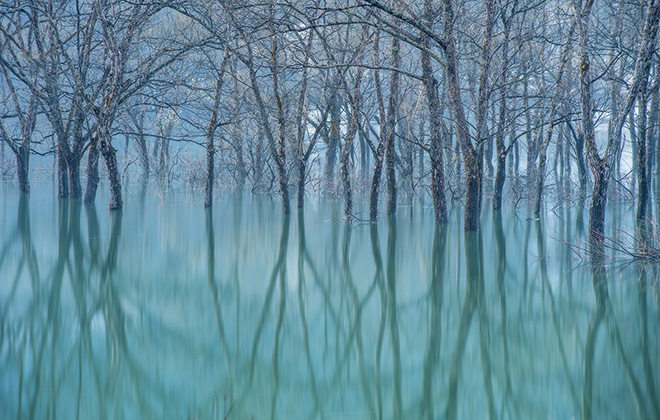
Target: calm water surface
(168, 311)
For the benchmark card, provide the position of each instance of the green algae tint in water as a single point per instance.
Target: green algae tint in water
(168, 311)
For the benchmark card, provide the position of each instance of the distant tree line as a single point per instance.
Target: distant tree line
(441, 96)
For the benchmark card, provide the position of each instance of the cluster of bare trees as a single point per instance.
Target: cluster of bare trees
(444, 95)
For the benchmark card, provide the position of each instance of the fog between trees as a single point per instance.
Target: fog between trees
(520, 99)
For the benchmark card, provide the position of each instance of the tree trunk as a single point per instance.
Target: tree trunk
(375, 184)
(110, 158)
(62, 175)
(210, 165)
(23, 169)
(92, 173)
(473, 175)
(500, 177)
(643, 185)
(390, 133)
(598, 201)
(302, 174)
(333, 142)
(435, 126)
(73, 167)
(144, 154)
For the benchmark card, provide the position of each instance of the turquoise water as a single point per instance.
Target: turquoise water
(168, 311)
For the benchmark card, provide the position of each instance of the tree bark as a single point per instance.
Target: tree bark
(110, 158)
(92, 172)
(62, 175)
(23, 168)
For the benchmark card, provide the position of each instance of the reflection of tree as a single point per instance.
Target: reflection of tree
(302, 257)
(642, 292)
(278, 272)
(500, 242)
(554, 313)
(210, 238)
(603, 312)
(474, 300)
(435, 294)
(380, 280)
(392, 314)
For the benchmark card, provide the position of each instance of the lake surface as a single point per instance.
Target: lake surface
(168, 311)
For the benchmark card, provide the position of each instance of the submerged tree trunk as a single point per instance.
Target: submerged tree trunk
(210, 134)
(92, 172)
(62, 175)
(348, 145)
(500, 149)
(601, 167)
(23, 168)
(380, 150)
(110, 157)
(73, 168)
(435, 126)
(643, 185)
(472, 155)
(390, 133)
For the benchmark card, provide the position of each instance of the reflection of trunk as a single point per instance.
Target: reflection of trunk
(435, 328)
(379, 279)
(357, 311)
(555, 316)
(501, 286)
(597, 313)
(92, 171)
(302, 305)
(210, 237)
(484, 336)
(392, 314)
(642, 291)
(469, 304)
(278, 270)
